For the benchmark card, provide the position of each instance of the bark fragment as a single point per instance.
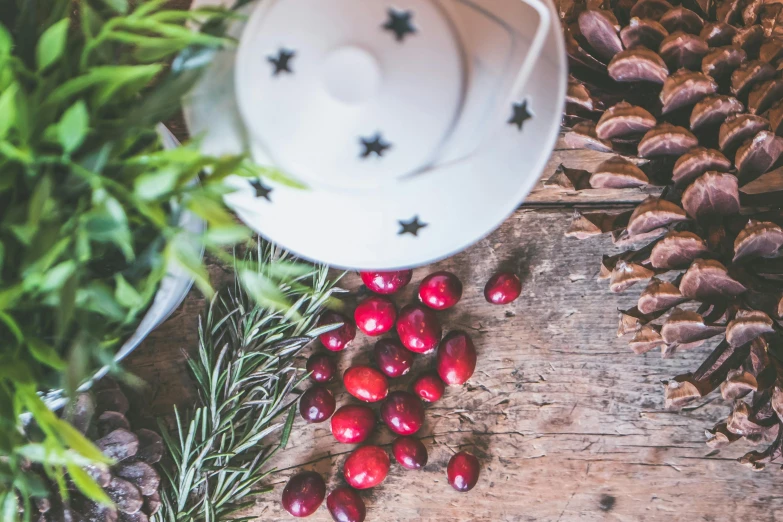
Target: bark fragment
(708, 279)
(638, 65)
(643, 33)
(712, 194)
(654, 213)
(677, 250)
(617, 172)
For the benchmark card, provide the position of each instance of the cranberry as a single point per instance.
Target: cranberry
(352, 424)
(502, 288)
(338, 339)
(440, 290)
(463, 471)
(456, 360)
(366, 467)
(365, 383)
(346, 505)
(429, 387)
(403, 413)
(375, 315)
(304, 493)
(386, 282)
(410, 452)
(392, 358)
(418, 328)
(317, 404)
(321, 367)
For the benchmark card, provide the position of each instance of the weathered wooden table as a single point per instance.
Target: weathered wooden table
(567, 422)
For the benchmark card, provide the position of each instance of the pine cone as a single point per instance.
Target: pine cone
(690, 98)
(132, 482)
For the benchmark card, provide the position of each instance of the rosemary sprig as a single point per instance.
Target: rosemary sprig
(245, 374)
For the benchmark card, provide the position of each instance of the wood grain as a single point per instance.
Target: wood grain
(567, 422)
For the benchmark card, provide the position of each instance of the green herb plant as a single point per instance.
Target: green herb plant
(244, 372)
(89, 207)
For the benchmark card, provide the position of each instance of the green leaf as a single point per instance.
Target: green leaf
(264, 291)
(45, 354)
(99, 298)
(41, 195)
(213, 212)
(251, 170)
(287, 270)
(91, 21)
(12, 325)
(118, 6)
(183, 254)
(88, 486)
(6, 42)
(125, 294)
(52, 456)
(73, 127)
(110, 77)
(51, 45)
(227, 235)
(80, 443)
(55, 278)
(10, 507)
(155, 184)
(289, 424)
(8, 109)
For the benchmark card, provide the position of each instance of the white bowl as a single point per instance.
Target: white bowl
(418, 126)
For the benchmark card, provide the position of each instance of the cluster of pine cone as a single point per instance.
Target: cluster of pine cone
(131, 483)
(689, 98)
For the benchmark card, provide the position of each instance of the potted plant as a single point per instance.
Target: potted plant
(91, 204)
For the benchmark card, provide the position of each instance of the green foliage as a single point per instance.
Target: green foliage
(90, 204)
(244, 373)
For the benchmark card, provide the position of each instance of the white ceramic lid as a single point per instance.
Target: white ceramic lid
(474, 145)
(343, 93)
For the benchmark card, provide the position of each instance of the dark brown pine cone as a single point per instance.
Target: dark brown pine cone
(132, 482)
(689, 96)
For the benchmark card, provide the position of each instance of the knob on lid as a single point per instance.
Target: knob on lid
(349, 93)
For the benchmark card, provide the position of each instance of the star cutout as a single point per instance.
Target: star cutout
(521, 114)
(262, 191)
(282, 62)
(374, 145)
(400, 24)
(411, 227)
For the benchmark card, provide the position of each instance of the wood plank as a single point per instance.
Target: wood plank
(567, 422)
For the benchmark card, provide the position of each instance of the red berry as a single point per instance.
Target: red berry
(366, 467)
(463, 471)
(418, 328)
(304, 493)
(403, 413)
(410, 452)
(502, 288)
(456, 360)
(321, 367)
(440, 290)
(429, 387)
(392, 358)
(375, 315)
(387, 282)
(352, 424)
(365, 383)
(345, 505)
(317, 404)
(338, 339)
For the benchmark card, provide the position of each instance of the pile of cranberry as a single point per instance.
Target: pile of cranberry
(419, 332)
